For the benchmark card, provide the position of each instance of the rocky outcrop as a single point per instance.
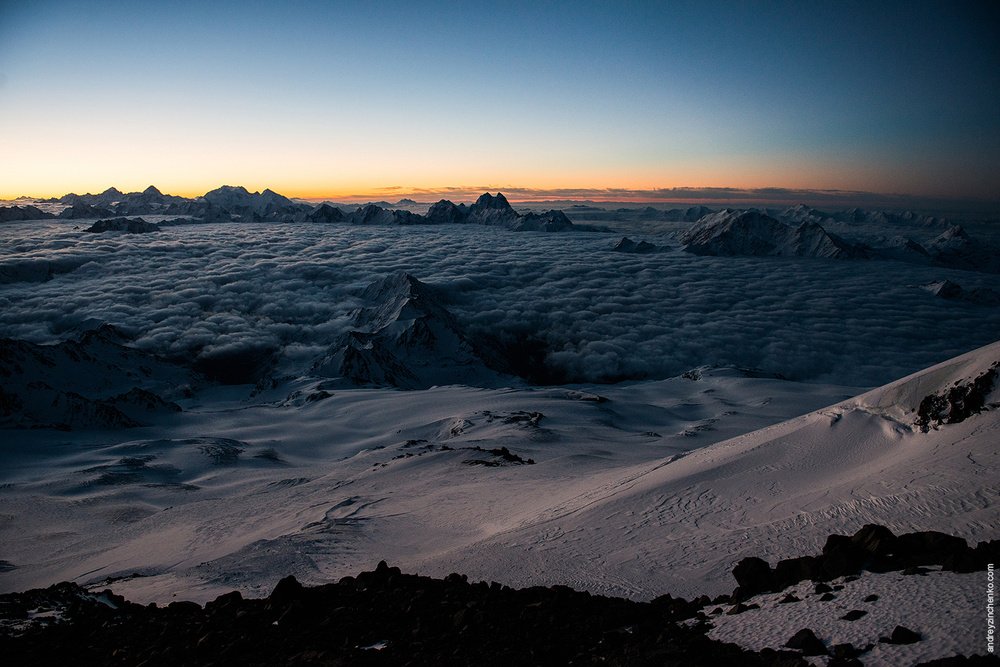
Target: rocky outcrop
(957, 403)
(372, 214)
(387, 617)
(127, 225)
(496, 211)
(550, 221)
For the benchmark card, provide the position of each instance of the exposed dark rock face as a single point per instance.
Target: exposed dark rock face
(372, 214)
(958, 404)
(754, 576)
(550, 221)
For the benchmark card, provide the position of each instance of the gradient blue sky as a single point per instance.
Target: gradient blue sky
(339, 98)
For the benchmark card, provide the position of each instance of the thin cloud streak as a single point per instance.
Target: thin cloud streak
(681, 195)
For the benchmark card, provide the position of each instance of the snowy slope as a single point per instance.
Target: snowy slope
(627, 493)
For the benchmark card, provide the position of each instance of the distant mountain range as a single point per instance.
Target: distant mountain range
(237, 204)
(799, 231)
(753, 233)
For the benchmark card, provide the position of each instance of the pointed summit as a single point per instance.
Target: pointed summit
(408, 339)
(489, 202)
(152, 191)
(495, 211)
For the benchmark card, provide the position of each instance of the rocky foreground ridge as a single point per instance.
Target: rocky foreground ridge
(385, 617)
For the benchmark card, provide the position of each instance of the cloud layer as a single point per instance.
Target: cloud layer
(216, 289)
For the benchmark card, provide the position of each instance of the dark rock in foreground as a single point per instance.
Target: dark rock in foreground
(874, 548)
(385, 617)
(382, 617)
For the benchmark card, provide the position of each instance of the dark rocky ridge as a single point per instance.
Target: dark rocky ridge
(385, 617)
(414, 620)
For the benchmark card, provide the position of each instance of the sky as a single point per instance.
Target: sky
(339, 99)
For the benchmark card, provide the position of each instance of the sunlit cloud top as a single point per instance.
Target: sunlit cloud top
(319, 99)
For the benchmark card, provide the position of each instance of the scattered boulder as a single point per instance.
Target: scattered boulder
(901, 635)
(805, 640)
(754, 576)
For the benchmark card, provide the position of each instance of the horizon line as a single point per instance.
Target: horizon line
(680, 195)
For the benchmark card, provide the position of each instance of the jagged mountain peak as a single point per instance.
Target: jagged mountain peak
(408, 339)
(754, 233)
(152, 190)
(228, 195)
(488, 201)
(400, 298)
(955, 233)
(272, 196)
(395, 285)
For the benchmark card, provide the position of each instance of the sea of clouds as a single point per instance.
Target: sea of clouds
(208, 289)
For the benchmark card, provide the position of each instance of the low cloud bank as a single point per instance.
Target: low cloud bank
(573, 309)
